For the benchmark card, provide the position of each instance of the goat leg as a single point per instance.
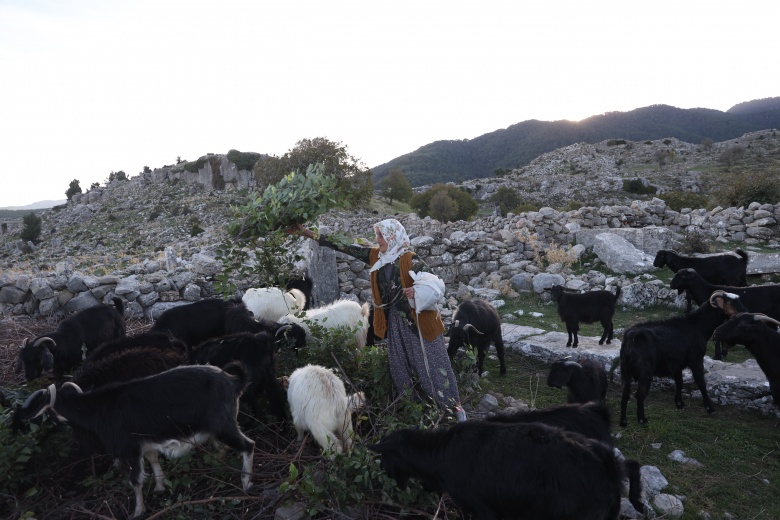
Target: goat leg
(643, 388)
(678, 384)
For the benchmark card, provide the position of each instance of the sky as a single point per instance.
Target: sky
(90, 87)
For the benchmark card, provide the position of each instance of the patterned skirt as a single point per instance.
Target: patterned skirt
(407, 362)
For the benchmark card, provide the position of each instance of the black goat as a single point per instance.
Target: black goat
(723, 269)
(258, 354)
(199, 321)
(760, 336)
(589, 307)
(155, 340)
(65, 348)
(764, 299)
(586, 379)
(478, 324)
(493, 470)
(167, 413)
(664, 348)
(589, 419)
(303, 284)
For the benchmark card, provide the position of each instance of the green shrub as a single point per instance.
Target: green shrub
(637, 186)
(616, 142)
(696, 241)
(31, 230)
(743, 188)
(678, 200)
(243, 160)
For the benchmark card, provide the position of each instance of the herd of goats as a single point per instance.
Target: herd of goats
(180, 383)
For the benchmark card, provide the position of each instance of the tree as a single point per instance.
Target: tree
(116, 176)
(31, 230)
(467, 207)
(443, 207)
(73, 189)
(94, 185)
(396, 187)
(354, 178)
(507, 199)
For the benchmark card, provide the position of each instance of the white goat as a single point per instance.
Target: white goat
(319, 403)
(271, 303)
(341, 313)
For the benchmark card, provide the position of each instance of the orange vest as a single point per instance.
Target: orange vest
(430, 323)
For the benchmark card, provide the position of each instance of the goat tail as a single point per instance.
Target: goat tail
(356, 401)
(634, 484)
(742, 254)
(240, 375)
(119, 304)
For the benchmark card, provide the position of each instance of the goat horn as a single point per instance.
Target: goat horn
(283, 329)
(468, 326)
(41, 340)
(572, 364)
(52, 395)
(74, 385)
(767, 319)
(723, 295)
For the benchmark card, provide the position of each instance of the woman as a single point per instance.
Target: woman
(391, 287)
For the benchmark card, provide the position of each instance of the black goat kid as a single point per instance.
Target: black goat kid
(586, 379)
(478, 324)
(589, 307)
(65, 348)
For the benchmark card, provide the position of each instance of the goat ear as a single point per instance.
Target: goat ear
(47, 358)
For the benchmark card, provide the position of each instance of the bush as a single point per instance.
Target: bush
(31, 232)
(506, 198)
(744, 188)
(243, 160)
(695, 241)
(464, 204)
(678, 200)
(637, 186)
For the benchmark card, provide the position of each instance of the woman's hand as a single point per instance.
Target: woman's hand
(409, 292)
(299, 229)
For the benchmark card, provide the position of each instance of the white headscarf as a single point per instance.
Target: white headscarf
(397, 242)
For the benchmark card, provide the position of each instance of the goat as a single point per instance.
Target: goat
(588, 307)
(590, 419)
(723, 269)
(258, 354)
(65, 348)
(271, 303)
(526, 470)
(586, 379)
(664, 348)
(340, 313)
(199, 321)
(303, 284)
(166, 413)
(759, 334)
(154, 340)
(319, 403)
(764, 299)
(478, 324)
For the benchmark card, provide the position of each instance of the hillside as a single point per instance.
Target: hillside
(519, 144)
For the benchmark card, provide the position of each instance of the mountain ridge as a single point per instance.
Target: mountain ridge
(517, 145)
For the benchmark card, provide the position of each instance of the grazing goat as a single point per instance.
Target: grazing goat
(493, 470)
(65, 348)
(721, 269)
(664, 348)
(167, 413)
(154, 340)
(588, 307)
(340, 313)
(319, 403)
(759, 334)
(478, 324)
(196, 322)
(589, 419)
(271, 303)
(764, 299)
(586, 379)
(303, 284)
(258, 354)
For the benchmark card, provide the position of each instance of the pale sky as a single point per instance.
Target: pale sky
(90, 87)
